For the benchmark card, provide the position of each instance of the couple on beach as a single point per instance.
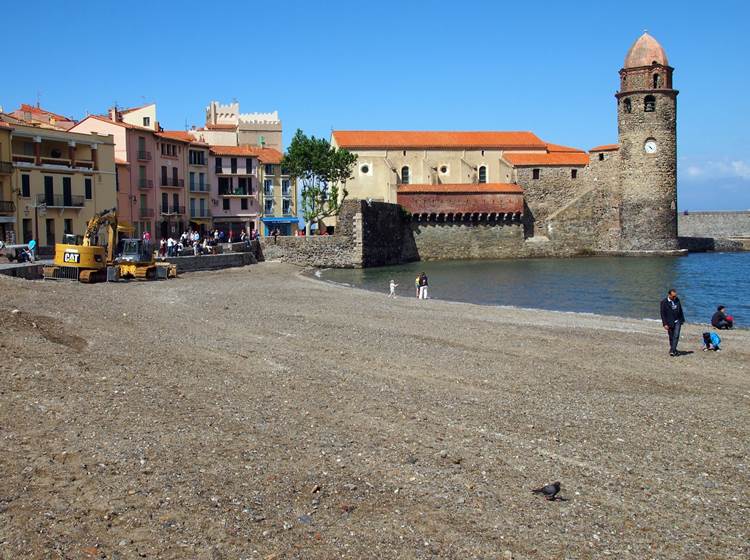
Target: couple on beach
(672, 319)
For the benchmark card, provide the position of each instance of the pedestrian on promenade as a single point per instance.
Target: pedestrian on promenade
(32, 249)
(721, 320)
(423, 284)
(276, 235)
(392, 286)
(672, 319)
(416, 285)
(162, 248)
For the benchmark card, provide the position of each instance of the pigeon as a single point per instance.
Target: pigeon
(549, 491)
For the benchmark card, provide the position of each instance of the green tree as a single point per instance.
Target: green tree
(323, 171)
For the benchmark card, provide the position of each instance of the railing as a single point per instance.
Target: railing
(146, 212)
(7, 206)
(6, 167)
(267, 192)
(85, 163)
(200, 188)
(46, 160)
(172, 182)
(145, 183)
(60, 201)
(143, 155)
(172, 210)
(200, 213)
(20, 158)
(286, 192)
(235, 192)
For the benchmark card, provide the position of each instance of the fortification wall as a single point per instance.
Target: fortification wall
(714, 224)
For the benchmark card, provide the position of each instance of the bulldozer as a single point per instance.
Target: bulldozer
(80, 258)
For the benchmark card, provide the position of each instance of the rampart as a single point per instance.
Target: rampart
(714, 224)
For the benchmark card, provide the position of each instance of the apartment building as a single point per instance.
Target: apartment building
(60, 179)
(198, 187)
(7, 204)
(172, 164)
(278, 196)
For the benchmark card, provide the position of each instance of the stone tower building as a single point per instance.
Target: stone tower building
(647, 125)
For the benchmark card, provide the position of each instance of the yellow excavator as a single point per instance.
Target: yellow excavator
(80, 258)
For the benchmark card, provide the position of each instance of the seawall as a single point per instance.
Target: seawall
(714, 224)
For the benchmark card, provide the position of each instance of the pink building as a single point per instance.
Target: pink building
(171, 167)
(135, 156)
(234, 188)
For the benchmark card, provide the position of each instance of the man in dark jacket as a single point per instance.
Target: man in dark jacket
(721, 320)
(672, 318)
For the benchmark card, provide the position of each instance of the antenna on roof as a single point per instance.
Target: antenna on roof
(38, 97)
(186, 124)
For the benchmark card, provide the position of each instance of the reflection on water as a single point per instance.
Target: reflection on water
(628, 287)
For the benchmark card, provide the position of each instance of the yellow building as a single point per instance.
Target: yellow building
(7, 206)
(59, 180)
(278, 195)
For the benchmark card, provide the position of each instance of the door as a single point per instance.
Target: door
(67, 192)
(164, 175)
(50, 231)
(49, 191)
(175, 182)
(27, 234)
(164, 203)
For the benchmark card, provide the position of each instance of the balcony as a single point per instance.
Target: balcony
(200, 213)
(286, 192)
(172, 210)
(20, 158)
(144, 155)
(60, 201)
(173, 183)
(145, 212)
(200, 188)
(268, 192)
(7, 206)
(6, 167)
(145, 184)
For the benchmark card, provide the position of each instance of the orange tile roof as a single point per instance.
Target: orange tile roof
(559, 148)
(605, 148)
(4, 125)
(554, 158)
(265, 155)
(462, 188)
(434, 139)
(26, 108)
(118, 123)
(179, 135)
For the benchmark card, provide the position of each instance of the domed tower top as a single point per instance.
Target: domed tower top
(645, 51)
(646, 67)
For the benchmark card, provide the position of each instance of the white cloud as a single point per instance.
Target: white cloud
(697, 168)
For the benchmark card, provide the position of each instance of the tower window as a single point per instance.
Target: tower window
(535, 174)
(574, 174)
(601, 157)
(482, 174)
(627, 105)
(649, 104)
(657, 81)
(405, 175)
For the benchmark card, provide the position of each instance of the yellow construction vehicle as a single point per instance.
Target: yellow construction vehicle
(79, 258)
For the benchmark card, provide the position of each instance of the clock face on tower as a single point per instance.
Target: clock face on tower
(650, 146)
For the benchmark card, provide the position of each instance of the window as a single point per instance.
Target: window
(535, 174)
(218, 165)
(68, 225)
(269, 169)
(201, 182)
(164, 203)
(141, 144)
(443, 169)
(242, 185)
(649, 104)
(225, 204)
(627, 105)
(268, 187)
(248, 165)
(175, 202)
(233, 163)
(67, 192)
(196, 157)
(27, 234)
(192, 180)
(268, 209)
(601, 157)
(225, 185)
(286, 187)
(87, 188)
(243, 203)
(365, 169)
(657, 81)
(287, 207)
(163, 174)
(49, 192)
(404, 152)
(574, 174)
(482, 174)
(146, 121)
(25, 186)
(405, 175)
(175, 180)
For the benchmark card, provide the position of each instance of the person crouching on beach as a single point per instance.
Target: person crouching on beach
(672, 319)
(392, 288)
(721, 320)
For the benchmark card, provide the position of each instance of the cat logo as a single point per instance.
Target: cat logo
(73, 258)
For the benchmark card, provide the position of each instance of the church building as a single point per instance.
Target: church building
(618, 198)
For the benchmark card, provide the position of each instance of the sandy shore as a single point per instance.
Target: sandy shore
(256, 413)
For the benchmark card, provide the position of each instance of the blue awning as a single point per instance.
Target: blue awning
(290, 220)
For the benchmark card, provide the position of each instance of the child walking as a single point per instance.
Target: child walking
(392, 286)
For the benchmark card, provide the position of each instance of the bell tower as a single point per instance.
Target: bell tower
(647, 130)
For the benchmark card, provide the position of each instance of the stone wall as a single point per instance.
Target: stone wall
(554, 189)
(714, 224)
(453, 241)
(212, 262)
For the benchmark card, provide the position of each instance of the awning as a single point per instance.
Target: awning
(290, 220)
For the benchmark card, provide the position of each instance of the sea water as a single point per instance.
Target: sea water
(621, 286)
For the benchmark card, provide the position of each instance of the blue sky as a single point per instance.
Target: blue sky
(549, 67)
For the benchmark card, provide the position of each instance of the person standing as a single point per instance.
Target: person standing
(392, 286)
(416, 284)
(423, 284)
(672, 319)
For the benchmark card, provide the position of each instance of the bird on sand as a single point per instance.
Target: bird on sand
(549, 491)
